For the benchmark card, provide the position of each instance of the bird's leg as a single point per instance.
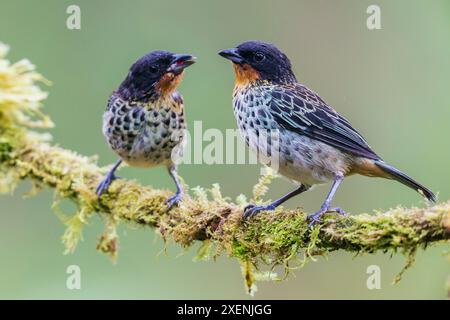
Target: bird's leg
(176, 198)
(110, 177)
(326, 204)
(252, 209)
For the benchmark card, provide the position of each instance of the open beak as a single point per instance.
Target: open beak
(180, 62)
(232, 55)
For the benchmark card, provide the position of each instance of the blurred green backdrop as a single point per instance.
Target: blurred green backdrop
(392, 84)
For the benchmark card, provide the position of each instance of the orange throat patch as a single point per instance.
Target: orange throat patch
(245, 74)
(169, 83)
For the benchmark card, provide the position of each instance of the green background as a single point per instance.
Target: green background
(392, 84)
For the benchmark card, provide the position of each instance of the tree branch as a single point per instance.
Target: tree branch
(274, 238)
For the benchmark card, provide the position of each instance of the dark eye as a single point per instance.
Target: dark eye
(258, 57)
(153, 69)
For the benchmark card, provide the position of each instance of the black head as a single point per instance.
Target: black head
(267, 60)
(155, 74)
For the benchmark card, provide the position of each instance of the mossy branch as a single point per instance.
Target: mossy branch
(272, 238)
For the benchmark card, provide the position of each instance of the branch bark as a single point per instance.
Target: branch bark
(272, 236)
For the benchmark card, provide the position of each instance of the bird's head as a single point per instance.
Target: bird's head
(155, 75)
(257, 60)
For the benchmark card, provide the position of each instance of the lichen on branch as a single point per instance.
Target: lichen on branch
(278, 238)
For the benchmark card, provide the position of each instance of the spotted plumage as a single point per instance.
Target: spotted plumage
(300, 157)
(314, 143)
(145, 135)
(144, 120)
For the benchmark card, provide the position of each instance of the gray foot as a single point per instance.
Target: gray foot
(252, 210)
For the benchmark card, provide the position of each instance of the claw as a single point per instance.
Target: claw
(252, 210)
(105, 183)
(315, 217)
(339, 210)
(248, 207)
(174, 200)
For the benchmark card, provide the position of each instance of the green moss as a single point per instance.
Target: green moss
(239, 250)
(5, 151)
(108, 242)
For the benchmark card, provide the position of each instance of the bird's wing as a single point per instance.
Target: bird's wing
(298, 109)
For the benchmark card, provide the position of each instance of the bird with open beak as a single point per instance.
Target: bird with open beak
(144, 122)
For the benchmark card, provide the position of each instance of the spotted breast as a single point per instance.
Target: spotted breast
(295, 156)
(146, 135)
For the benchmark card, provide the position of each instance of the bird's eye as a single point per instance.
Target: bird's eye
(153, 69)
(258, 57)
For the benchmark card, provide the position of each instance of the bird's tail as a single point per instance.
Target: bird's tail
(396, 174)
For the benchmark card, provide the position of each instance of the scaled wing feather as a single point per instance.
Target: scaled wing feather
(298, 109)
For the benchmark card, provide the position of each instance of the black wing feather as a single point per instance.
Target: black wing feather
(298, 109)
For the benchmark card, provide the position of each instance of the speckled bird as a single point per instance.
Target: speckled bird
(315, 143)
(144, 122)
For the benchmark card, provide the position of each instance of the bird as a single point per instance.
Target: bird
(314, 143)
(144, 121)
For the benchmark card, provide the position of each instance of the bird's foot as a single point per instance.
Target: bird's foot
(251, 210)
(315, 217)
(174, 200)
(105, 183)
(339, 210)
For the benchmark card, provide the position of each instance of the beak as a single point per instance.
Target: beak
(232, 55)
(180, 62)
